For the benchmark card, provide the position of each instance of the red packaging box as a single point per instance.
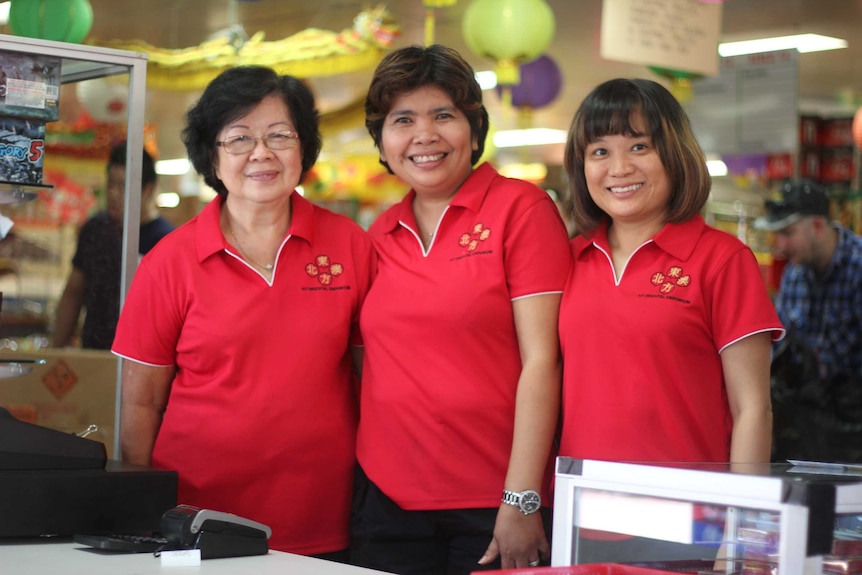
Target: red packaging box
(842, 565)
(809, 163)
(836, 165)
(779, 167)
(847, 547)
(809, 130)
(836, 132)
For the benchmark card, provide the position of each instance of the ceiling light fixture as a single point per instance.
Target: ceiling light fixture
(529, 137)
(4, 12)
(175, 167)
(168, 200)
(802, 42)
(533, 172)
(716, 168)
(487, 79)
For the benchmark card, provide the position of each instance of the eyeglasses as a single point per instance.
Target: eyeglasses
(245, 144)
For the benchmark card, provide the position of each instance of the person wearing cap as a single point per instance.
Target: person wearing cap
(819, 299)
(817, 402)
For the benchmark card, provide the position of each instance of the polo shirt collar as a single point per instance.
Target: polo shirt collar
(676, 239)
(210, 240)
(470, 195)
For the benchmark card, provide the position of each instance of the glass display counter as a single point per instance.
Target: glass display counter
(799, 518)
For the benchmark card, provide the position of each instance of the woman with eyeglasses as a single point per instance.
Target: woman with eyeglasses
(236, 334)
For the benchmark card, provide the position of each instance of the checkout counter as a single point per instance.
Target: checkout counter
(62, 556)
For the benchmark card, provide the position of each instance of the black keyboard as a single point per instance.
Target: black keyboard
(123, 543)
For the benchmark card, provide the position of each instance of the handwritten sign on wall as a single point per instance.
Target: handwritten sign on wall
(676, 34)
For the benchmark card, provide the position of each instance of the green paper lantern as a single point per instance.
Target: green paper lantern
(60, 20)
(509, 32)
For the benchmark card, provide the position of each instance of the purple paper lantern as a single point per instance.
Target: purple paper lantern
(541, 81)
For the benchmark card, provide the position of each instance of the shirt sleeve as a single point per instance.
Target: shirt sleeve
(740, 301)
(150, 323)
(537, 255)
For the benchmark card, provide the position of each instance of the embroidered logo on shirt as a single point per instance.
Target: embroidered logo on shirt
(324, 270)
(669, 281)
(470, 241)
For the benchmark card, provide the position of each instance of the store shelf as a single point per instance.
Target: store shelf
(79, 62)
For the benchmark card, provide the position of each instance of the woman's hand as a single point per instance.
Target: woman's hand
(519, 540)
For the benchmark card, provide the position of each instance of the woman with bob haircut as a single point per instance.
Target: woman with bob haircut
(461, 378)
(236, 333)
(665, 322)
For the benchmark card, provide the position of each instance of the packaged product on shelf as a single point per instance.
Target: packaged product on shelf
(29, 86)
(843, 565)
(22, 145)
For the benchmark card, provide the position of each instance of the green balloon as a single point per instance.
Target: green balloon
(60, 20)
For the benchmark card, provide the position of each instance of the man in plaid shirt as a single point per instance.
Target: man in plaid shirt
(816, 369)
(820, 296)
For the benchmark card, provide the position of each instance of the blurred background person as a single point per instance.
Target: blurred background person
(94, 282)
(461, 379)
(236, 333)
(817, 368)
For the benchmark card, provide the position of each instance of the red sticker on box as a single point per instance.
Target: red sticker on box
(60, 379)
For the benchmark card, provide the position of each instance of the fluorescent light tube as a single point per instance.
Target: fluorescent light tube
(529, 137)
(801, 42)
(176, 167)
(168, 200)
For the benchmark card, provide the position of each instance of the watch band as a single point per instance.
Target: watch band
(528, 501)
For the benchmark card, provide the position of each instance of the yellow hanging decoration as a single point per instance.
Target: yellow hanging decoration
(681, 82)
(430, 17)
(306, 54)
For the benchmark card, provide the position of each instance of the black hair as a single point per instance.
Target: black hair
(117, 157)
(234, 93)
(413, 67)
(610, 110)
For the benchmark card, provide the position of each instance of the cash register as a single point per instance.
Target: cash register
(57, 483)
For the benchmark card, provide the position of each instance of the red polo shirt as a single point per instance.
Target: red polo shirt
(261, 417)
(642, 372)
(442, 360)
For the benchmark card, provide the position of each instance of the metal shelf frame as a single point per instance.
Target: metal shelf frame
(81, 62)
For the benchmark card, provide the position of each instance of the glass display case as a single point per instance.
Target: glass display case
(798, 518)
(77, 63)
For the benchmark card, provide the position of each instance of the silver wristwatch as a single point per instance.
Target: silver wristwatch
(527, 501)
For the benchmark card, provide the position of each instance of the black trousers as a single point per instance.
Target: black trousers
(440, 542)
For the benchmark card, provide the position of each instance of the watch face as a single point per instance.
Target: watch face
(530, 502)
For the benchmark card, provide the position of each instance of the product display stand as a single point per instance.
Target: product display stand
(796, 517)
(81, 62)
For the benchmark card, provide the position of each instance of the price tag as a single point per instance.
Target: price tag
(181, 558)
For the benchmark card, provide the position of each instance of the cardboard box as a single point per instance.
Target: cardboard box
(29, 86)
(74, 389)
